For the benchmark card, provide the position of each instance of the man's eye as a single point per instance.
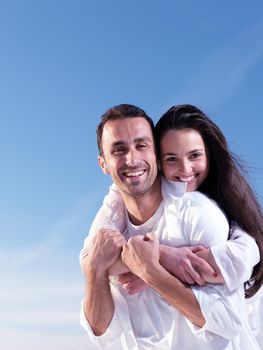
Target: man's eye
(119, 150)
(141, 145)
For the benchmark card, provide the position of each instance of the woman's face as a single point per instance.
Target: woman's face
(184, 158)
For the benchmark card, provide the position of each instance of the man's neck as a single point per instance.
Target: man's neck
(141, 208)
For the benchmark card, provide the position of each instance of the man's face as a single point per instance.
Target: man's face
(129, 155)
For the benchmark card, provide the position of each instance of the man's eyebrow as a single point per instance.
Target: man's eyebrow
(143, 138)
(117, 143)
(137, 139)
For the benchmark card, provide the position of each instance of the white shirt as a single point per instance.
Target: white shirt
(146, 321)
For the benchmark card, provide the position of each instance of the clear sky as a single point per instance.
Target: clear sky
(62, 64)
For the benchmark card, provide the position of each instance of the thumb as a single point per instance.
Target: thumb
(197, 248)
(150, 235)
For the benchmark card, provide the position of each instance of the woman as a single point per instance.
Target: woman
(212, 169)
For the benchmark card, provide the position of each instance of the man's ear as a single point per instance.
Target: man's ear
(103, 164)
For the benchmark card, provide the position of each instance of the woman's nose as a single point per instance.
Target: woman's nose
(186, 167)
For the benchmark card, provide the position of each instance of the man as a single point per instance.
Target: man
(168, 315)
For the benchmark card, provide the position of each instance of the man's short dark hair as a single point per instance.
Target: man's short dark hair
(122, 111)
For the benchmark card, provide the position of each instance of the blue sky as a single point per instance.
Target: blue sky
(62, 64)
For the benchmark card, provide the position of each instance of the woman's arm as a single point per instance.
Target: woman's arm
(236, 258)
(191, 265)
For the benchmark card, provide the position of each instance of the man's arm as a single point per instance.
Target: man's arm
(98, 303)
(175, 293)
(141, 255)
(191, 265)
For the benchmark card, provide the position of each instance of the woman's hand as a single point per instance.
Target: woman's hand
(132, 283)
(184, 264)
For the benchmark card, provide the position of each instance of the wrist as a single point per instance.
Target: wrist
(152, 273)
(162, 250)
(94, 274)
(164, 254)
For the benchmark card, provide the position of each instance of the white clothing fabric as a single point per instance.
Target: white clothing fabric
(145, 321)
(235, 258)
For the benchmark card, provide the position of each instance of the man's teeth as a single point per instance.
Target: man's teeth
(187, 178)
(134, 173)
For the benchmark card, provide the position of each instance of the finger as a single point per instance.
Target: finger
(127, 277)
(125, 286)
(151, 235)
(123, 252)
(203, 265)
(137, 289)
(122, 278)
(135, 239)
(186, 277)
(136, 286)
(193, 272)
(197, 278)
(197, 248)
(201, 282)
(115, 235)
(132, 285)
(121, 241)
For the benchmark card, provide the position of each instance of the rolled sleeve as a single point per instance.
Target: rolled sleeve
(236, 258)
(119, 334)
(111, 339)
(223, 312)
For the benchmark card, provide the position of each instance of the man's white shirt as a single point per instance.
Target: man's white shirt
(145, 320)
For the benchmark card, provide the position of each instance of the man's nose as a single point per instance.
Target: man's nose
(131, 157)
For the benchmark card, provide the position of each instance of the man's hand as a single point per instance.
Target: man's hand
(105, 248)
(141, 253)
(183, 263)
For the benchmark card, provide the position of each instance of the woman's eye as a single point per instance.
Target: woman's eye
(170, 159)
(195, 155)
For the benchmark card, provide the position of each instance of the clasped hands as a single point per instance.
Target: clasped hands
(109, 253)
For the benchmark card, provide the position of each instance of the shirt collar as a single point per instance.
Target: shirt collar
(173, 188)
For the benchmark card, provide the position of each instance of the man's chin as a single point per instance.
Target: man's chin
(135, 190)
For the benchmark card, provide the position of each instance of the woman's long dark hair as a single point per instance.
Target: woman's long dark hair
(226, 181)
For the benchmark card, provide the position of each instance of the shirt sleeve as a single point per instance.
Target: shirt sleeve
(205, 224)
(224, 312)
(110, 215)
(108, 340)
(236, 258)
(119, 334)
(253, 308)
